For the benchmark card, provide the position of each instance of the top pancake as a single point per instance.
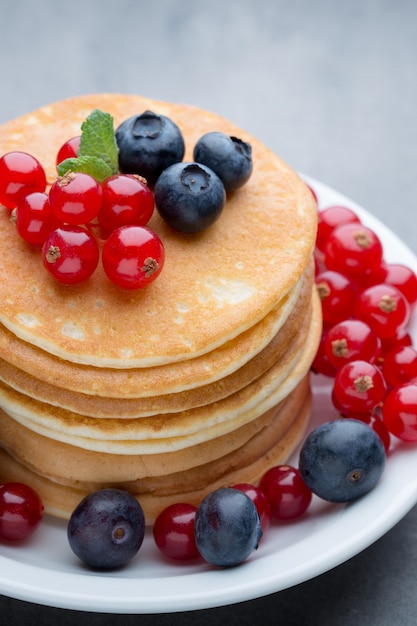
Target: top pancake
(214, 285)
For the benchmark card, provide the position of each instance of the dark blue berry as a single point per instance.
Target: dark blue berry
(106, 529)
(189, 196)
(342, 460)
(229, 157)
(148, 144)
(227, 527)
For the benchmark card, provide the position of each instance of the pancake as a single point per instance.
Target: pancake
(271, 444)
(146, 382)
(227, 282)
(68, 463)
(198, 381)
(98, 406)
(161, 433)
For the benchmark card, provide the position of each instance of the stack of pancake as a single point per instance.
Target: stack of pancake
(198, 381)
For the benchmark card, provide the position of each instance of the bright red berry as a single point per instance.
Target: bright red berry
(358, 387)
(127, 199)
(321, 363)
(70, 254)
(68, 150)
(331, 217)
(133, 256)
(399, 412)
(373, 276)
(378, 425)
(260, 501)
(354, 413)
(75, 198)
(20, 174)
(351, 340)
(384, 308)
(34, 218)
(353, 250)
(403, 277)
(173, 532)
(399, 365)
(337, 295)
(21, 511)
(402, 338)
(288, 495)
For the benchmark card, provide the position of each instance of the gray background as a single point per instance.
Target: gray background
(329, 85)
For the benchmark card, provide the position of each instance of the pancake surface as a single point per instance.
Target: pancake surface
(227, 282)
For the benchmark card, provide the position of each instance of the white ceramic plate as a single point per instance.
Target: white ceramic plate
(45, 571)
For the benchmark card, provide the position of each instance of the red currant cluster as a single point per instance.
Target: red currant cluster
(281, 495)
(366, 348)
(77, 215)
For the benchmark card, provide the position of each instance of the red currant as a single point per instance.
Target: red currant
(21, 511)
(378, 425)
(329, 218)
(402, 338)
(351, 340)
(127, 199)
(75, 198)
(404, 279)
(399, 412)
(68, 150)
(70, 254)
(288, 495)
(260, 501)
(173, 532)
(348, 412)
(20, 174)
(384, 308)
(337, 294)
(358, 387)
(133, 256)
(353, 250)
(34, 218)
(373, 276)
(321, 363)
(399, 365)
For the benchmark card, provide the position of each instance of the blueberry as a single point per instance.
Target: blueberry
(106, 529)
(342, 460)
(227, 527)
(189, 196)
(148, 144)
(229, 157)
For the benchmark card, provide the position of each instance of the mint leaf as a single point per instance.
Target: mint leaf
(92, 165)
(98, 140)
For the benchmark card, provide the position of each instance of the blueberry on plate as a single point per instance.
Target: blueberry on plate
(227, 527)
(106, 529)
(228, 156)
(342, 460)
(189, 196)
(148, 144)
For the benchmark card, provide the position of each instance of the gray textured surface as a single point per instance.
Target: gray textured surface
(329, 85)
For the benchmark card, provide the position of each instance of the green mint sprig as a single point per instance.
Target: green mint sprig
(98, 152)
